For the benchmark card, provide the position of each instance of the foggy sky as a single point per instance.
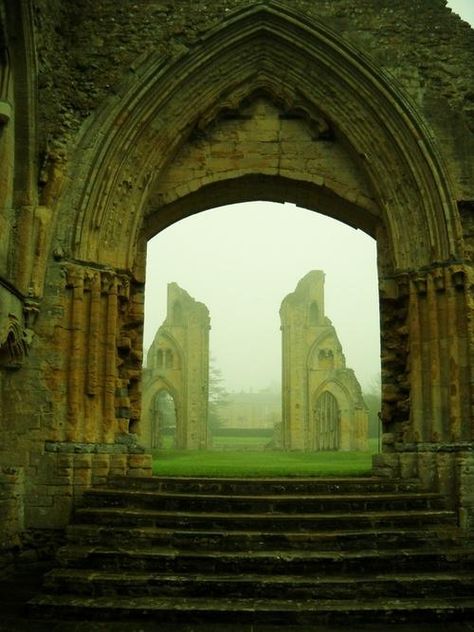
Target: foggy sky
(242, 260)
(464, 8)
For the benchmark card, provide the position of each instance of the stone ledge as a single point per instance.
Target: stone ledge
(461, 446)
(72, 447)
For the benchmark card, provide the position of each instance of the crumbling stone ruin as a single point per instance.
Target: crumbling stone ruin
(178, 364)
(323, 408)
(118, 119)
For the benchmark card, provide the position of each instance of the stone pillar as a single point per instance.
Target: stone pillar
(466, 490)
(427, 355)
(102, 340)
(427, 349)
(11, 512)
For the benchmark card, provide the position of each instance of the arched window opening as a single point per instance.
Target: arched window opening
(326, 359)
(159, 359)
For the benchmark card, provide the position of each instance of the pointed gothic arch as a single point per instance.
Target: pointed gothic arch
(326, 431)
(152, 430)
(374, 164)
(160, 107)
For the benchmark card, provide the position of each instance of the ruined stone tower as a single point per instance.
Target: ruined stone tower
(178, 363)
(323, 408)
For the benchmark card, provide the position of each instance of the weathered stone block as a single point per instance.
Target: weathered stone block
(139, 461)
(82, 477)
(82, 461)
(427, 471)
(138, 472)
(65, 461)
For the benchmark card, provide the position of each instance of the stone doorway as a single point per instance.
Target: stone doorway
(326, 423)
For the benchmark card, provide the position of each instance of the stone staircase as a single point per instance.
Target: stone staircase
(280, 551)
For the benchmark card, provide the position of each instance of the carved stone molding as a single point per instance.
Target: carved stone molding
(5, 112)
(291, 105)
(14, 341)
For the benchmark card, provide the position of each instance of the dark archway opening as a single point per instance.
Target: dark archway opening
(163, 421)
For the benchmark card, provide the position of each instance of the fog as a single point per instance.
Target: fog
(242, 260)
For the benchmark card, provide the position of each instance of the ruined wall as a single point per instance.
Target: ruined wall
(11, 511)
(133, 106)
(178, 362)
(260, 133)
(87, 47)
(314, 369)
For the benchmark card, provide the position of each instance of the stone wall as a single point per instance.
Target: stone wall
(86, 48)
(446, 468)
(12, 483)
(322, 400)
(65, 470)
(178, 363)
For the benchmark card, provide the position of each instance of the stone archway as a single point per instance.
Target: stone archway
(267, 103)
(152, 426)
(218, 125)
(163, 420)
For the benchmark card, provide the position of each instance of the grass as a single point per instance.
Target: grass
(226, 442)
(261, 463)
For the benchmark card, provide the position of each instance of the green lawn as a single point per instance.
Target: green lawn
(260, 463)
(226, 442)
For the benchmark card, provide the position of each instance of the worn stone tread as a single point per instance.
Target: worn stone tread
(85, 574)
(85, 529)
(130, 494)
(294, 517)
(79, 551)
(270, 480)
(178, 604)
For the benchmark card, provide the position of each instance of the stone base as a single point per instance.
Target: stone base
(446, 468)
(58, 477)
(66, 470)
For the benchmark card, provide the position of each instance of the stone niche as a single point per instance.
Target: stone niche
(178, 365)
(323, 408)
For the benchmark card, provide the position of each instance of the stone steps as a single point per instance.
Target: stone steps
(308, 522)
(268, 611)
(270, 561)
(336, 540)
(274, 504)
(264, 486)
(86, 582)
(272, 551)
